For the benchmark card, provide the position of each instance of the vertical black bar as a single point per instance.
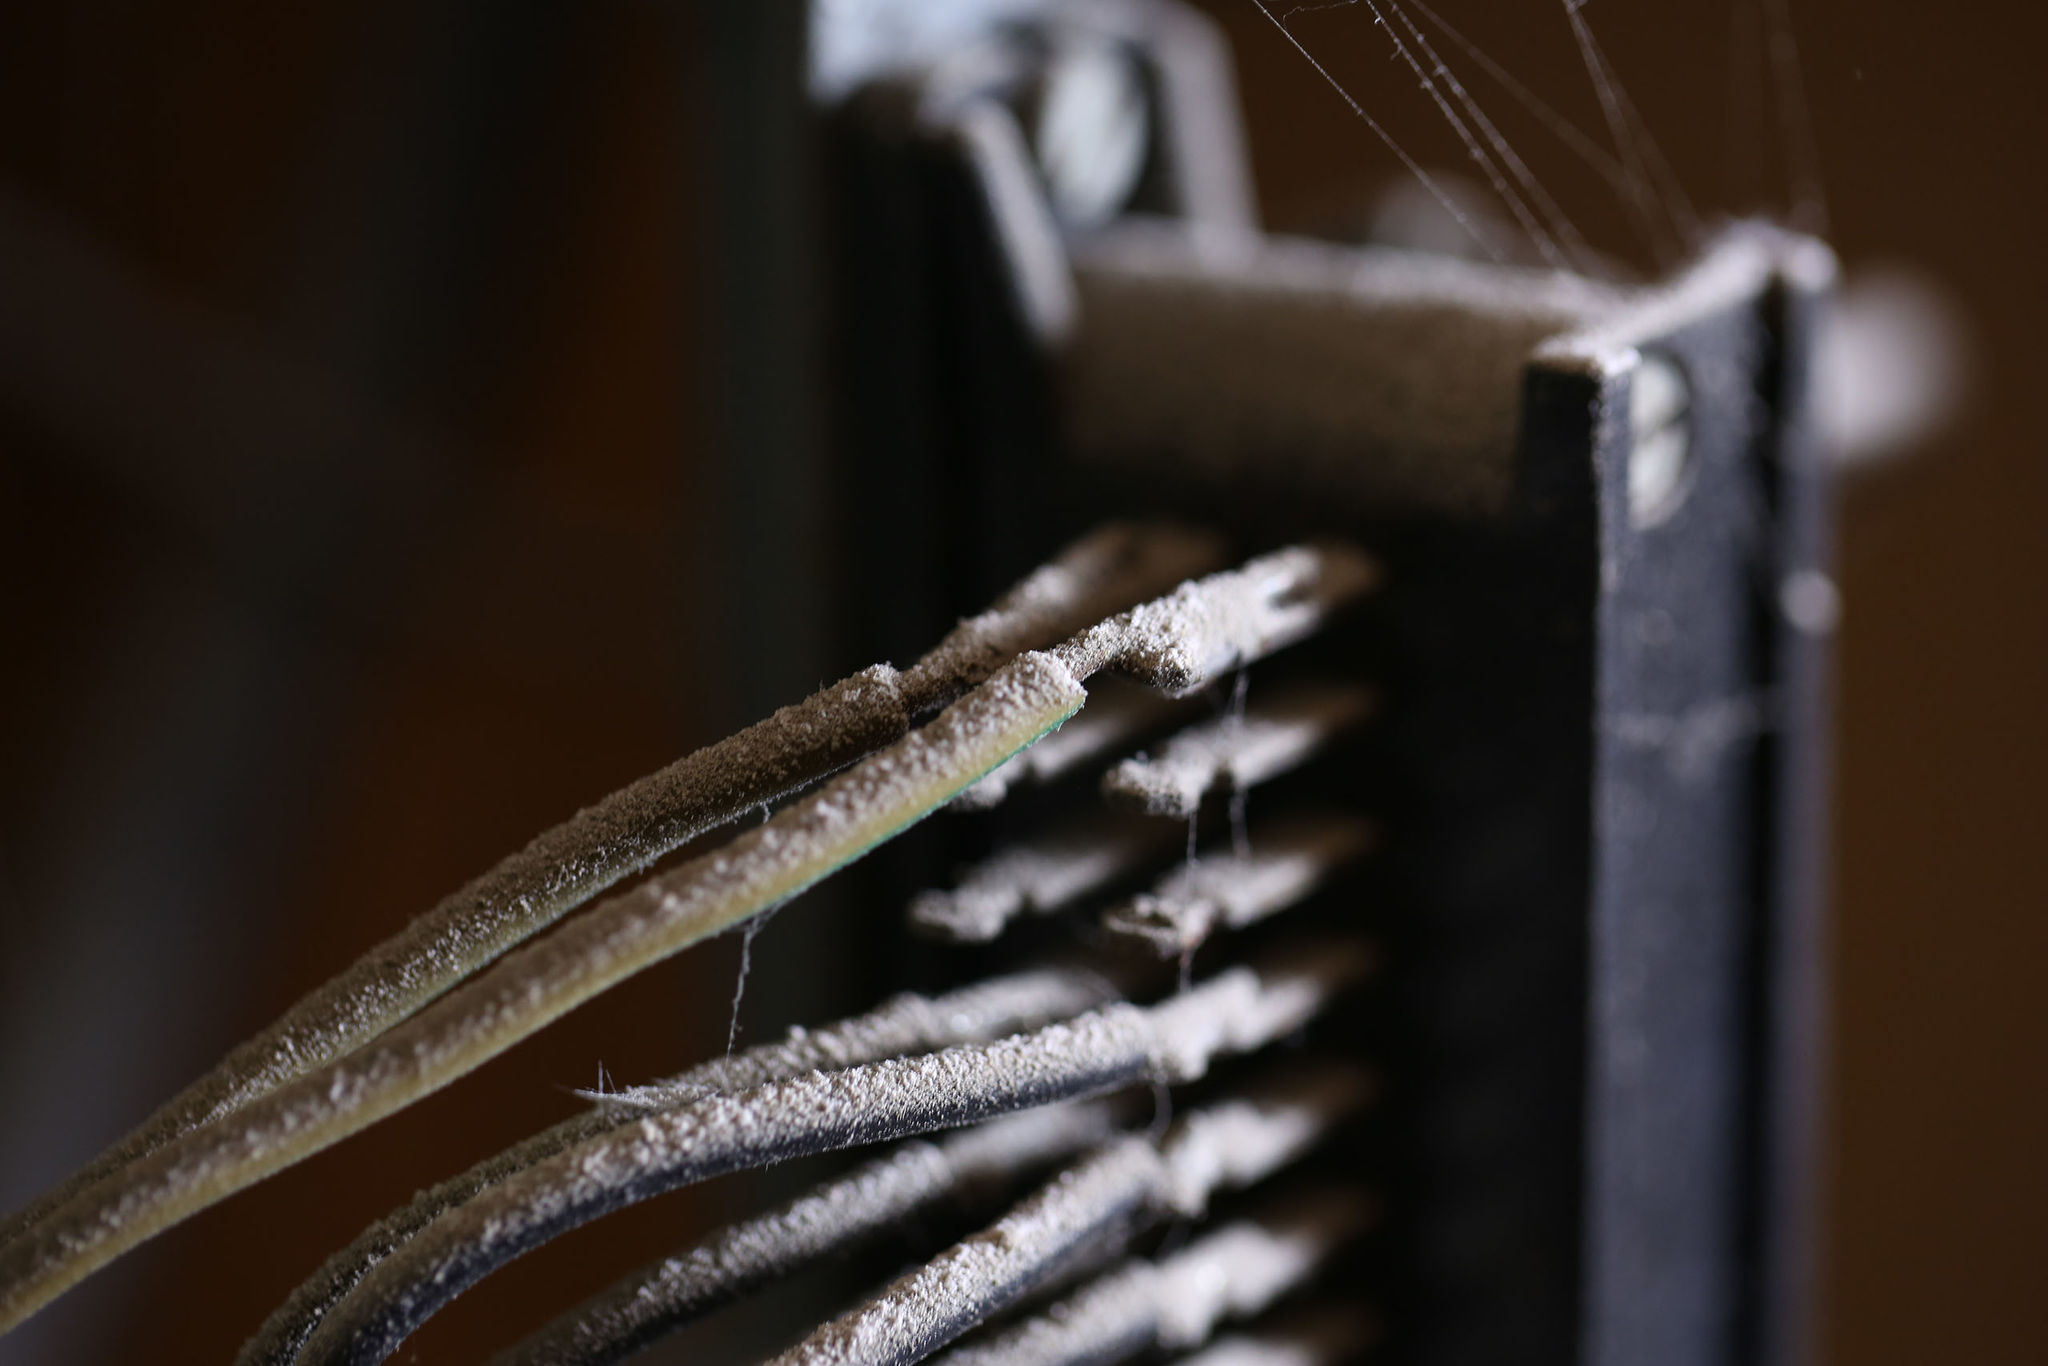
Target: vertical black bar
(1683, 706)
(1489, 667)
(1792, 1052)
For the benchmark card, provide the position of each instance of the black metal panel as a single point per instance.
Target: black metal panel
(1597, 770)
(1795, 764)
(1487, 655)
(1682, 700)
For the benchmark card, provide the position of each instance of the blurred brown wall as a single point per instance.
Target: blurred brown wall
(459, 248)
(450, 236)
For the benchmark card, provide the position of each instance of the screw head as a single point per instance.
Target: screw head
(1660, 440)
(1091, 128)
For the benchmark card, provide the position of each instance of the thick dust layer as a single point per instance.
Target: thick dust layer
(872, 1200)
(1237, 752)
(1108, 570)
(908, 1024)
(1289, 860)
(1238, 1011)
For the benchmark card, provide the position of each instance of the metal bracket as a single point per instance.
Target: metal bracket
(1605, 518)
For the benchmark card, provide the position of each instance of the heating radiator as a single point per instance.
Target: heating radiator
(1352, 896)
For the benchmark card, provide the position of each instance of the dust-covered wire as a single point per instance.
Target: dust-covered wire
(867, 1203)
(1115, 717)
(1113, 567)
(1238, 1010)
(1098, 1203)
(1176, 643)
(905, 1025)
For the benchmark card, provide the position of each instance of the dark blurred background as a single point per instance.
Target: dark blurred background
(366, 431)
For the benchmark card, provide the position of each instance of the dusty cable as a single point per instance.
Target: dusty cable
(627, 831)
(1116, 715)
(538, 983)
(1236, 1011)
(1103, 1199)
(908, 1024)
(1204, 629)
(1176, 643)
(866, 1203)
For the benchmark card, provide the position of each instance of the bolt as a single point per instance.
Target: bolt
(1090, 129)
(1660, 441)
